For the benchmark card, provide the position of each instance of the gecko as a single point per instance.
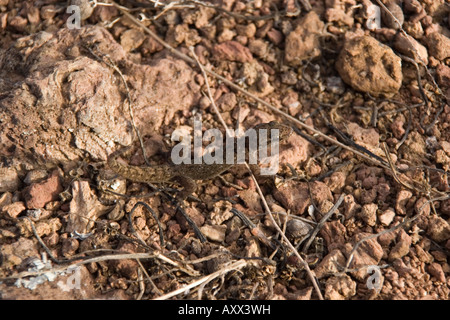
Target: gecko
(185, 174)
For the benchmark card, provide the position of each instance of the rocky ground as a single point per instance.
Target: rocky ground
(368, 208)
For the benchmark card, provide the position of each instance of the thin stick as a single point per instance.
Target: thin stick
(394, 172)
(253, 228)
(210, 97)
(191, 222)
(255, 286)
(296, 218)
(408, 128)
(211, 256)
(322, 222)
(149, 278)
(234, 266)
(141, 283)
(400, 109)
(49, 252)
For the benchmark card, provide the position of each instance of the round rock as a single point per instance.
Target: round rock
(370, 66)
(395, 11)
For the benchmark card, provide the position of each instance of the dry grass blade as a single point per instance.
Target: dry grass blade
(322, 222)
(204, 280)
(140, 280)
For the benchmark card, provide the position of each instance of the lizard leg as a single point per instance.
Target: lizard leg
(188, 184)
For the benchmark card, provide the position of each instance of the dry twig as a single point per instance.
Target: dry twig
(322, 222)
(206, 279)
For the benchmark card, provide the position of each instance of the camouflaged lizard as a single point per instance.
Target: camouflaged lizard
(185, 174)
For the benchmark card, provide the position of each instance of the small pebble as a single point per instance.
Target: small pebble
(86, 8)
(297, 229)
(387, 18)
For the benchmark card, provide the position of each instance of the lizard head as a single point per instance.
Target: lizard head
(284, 132)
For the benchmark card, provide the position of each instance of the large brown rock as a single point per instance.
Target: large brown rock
(438, 45)
(39, 194)
(303, 42)
(370, 66)
(232, 51)
(9, 180)
(293, 196)
(409, 46)
(63, 103)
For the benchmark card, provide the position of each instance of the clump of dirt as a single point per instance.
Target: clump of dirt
(362, 192)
